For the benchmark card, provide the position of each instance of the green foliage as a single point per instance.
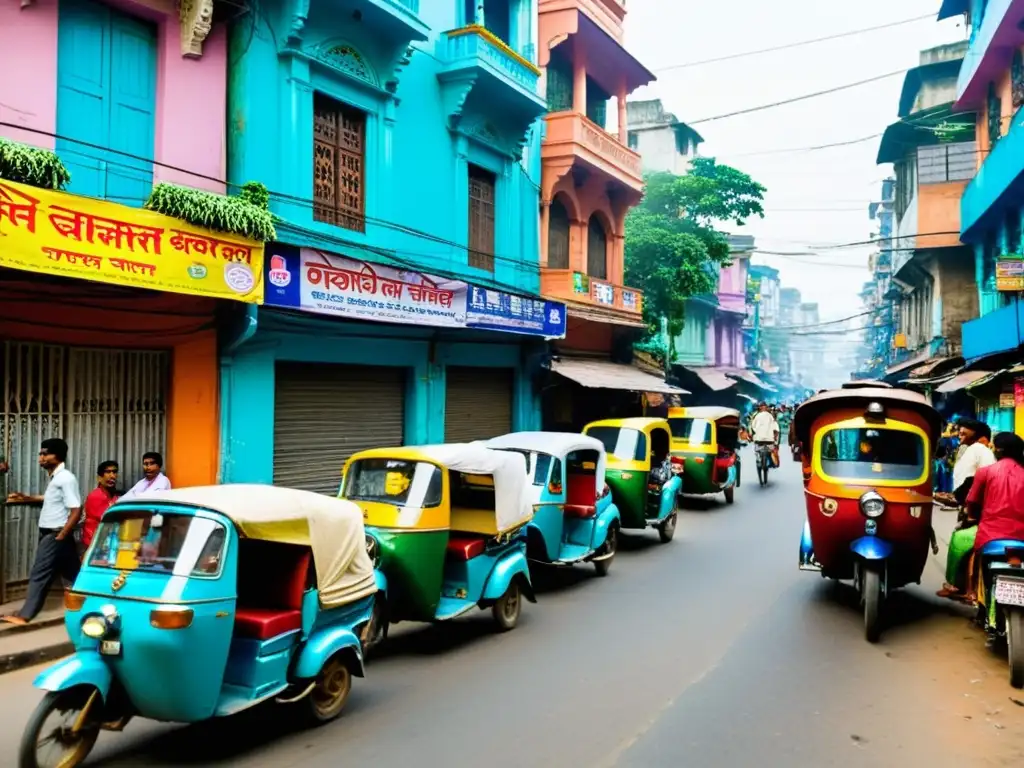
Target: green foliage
(654, 346)
(36, 167)
(673, 251)
(246, 215)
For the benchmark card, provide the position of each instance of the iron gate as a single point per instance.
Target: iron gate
(107, 404)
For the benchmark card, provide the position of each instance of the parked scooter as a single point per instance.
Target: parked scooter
(1001, 611)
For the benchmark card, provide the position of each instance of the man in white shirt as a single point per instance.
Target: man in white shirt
(56, 551)
(763, 427)
(153, 477)
(972, 456)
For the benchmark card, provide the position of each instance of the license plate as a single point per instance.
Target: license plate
(1010, 592)
(110, 647)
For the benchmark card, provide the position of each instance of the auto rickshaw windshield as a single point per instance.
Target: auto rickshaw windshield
(407, 484)
(693, 431)
(622, 443)
(146, 540)
(873, 453)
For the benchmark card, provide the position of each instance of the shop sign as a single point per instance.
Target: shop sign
(581, 283)
(56, 233)
(629, 300)
(1010, 274)
(1006, 400)
(329, 284)
(603, 293)
(1018, 391)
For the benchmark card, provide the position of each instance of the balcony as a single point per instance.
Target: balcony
(998, 173)
(607, 14)
(609, 300)
(990, 53)
(572, 138)
(489, 90)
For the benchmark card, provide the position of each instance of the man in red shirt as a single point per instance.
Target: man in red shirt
(99, 500)
(998, 493)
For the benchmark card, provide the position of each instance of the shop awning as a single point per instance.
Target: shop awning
(925, 371)
(909, 363)
(962, 380)
(596, 315)
(713, 378)
(604, 374)
(751, 378)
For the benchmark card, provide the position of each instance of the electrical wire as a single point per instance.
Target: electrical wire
(789, 46)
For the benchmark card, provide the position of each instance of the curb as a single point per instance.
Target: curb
(12, 662)
(35, 626)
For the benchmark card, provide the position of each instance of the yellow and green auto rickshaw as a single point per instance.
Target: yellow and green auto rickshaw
(445, 529)
(643, 479)
(706, 440)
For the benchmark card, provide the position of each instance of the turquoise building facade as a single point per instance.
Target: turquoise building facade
(400, 140)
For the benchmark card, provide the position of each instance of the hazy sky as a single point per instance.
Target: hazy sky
(842, 180)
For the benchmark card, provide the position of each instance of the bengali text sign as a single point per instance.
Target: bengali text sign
(62, 234)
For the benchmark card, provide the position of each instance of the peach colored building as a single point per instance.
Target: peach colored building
(590, 178)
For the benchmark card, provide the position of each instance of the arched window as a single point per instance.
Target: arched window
(597, 249)
(558, 236)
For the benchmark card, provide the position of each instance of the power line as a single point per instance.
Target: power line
(795, 99)
(789, 46)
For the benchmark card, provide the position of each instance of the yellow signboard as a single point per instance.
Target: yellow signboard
(60, 234)
(1010, 274)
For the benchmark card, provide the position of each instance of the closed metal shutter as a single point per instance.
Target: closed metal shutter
(478, 404)
(325, 413)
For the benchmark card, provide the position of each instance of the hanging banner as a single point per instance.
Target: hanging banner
(329, 284)
(1010, 274)
(56, 233)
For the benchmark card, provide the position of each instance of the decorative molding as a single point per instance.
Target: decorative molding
(196, 18)
(299, 14)
(346, 58)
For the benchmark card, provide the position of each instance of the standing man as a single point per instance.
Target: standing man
(56, 552)
(764, 431)
(99, 500)
(153, 477)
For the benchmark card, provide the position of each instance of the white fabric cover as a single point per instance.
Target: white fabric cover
(513, 506)
(332, 528)
(557, 444)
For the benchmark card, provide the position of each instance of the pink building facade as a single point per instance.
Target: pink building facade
(725, 333)
(128, 93)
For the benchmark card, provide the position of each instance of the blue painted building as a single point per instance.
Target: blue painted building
(401, 142)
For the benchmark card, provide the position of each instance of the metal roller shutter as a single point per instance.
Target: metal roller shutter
(325, 413)
(478, 404)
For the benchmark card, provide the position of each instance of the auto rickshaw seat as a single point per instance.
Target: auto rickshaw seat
(722, 464)
(465, 547)
(580, 496)
(272, 579)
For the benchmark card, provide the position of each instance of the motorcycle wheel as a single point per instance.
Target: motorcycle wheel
(1015, 645)
(871, 591)
(76, 746)
(730, 495)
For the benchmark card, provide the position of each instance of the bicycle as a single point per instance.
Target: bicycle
(763, 453)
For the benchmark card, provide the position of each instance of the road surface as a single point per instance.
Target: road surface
(713, 650)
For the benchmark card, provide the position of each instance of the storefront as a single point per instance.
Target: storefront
(350, 355)
(111, 345)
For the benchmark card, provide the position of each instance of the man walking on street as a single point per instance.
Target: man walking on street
(56, 552)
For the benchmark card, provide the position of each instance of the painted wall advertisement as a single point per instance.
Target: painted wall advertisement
(61, 234)
(328, 284)
(1010, 274)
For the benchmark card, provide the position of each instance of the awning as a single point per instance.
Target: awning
(962, 380)
(985, 379)
(924, 371)
(917, 360)
(596, 315)
(712, 377)
(604, 374)
(751, 378)
(747, 397)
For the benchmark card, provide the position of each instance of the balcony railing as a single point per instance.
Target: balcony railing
(570, 133)
(568, 285)
(475, 46)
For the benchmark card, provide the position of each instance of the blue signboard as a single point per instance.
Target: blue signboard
(496, 311)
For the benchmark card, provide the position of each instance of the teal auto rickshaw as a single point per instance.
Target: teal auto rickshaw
(202, 602)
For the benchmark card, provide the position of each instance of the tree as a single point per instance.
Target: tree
(673, 250)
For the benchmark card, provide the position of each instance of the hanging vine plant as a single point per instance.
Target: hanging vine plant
(247, 214)
(33, 166)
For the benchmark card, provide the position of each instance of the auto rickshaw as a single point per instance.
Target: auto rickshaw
(575, 519)
(706, 439)
(445, 529)
(202, 602)
(641, 473)
(866, 456)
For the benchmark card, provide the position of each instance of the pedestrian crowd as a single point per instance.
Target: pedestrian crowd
(66, 525)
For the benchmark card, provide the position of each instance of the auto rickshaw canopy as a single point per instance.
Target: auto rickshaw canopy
(557, 444)
(707, 412)
(862, 397)
(332, 528)
(511, 483)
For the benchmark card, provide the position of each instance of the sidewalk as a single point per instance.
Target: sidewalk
(45, 639)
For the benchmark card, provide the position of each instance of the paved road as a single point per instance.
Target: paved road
(713, 650)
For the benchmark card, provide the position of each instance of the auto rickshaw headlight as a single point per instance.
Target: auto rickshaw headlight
(94, 626)
(872, 505)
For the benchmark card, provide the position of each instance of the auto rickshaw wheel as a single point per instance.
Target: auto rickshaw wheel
(80, 711)
(668, 528)
(607, 551)
(330, 691)
(730, 495)
(1015, 645)
(872, 594)
(507, 608)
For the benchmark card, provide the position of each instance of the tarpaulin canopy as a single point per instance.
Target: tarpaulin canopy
(604, 374)
(962, 380)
